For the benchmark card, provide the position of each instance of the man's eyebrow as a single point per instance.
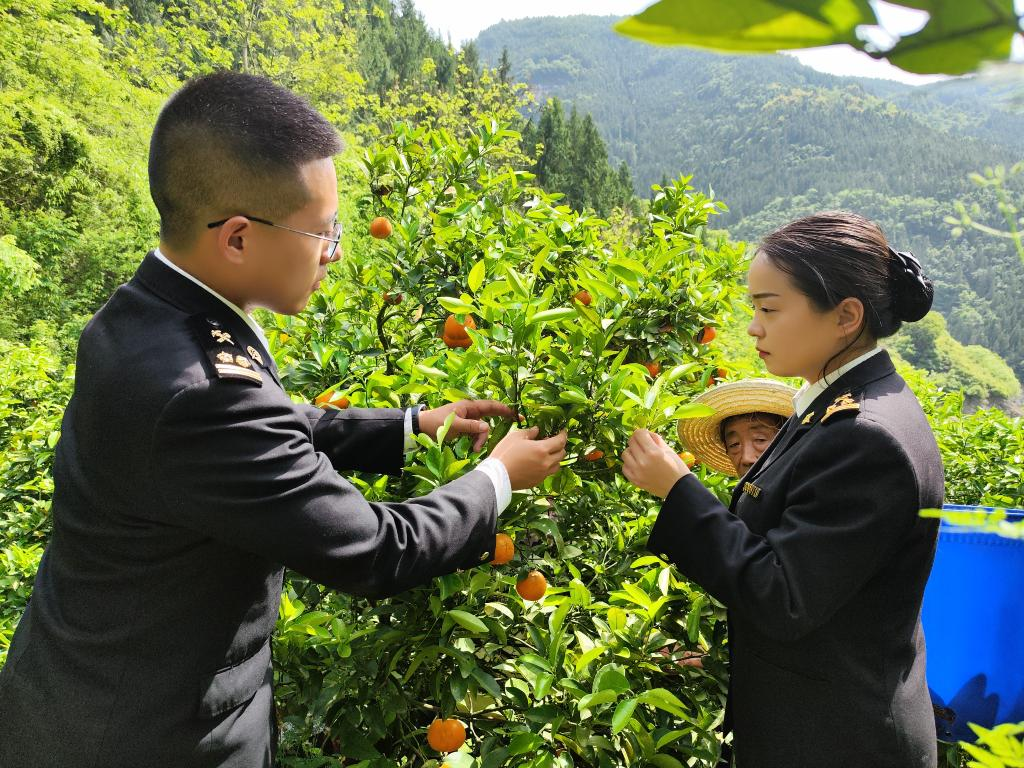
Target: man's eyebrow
(330, 219)
(763, 295)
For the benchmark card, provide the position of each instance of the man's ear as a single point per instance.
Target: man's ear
(849, 316)
(231, 239)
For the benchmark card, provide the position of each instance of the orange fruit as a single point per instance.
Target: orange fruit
(533, 586)
(706, 335)
(717, 376)
(446, 735)
(653, 368)
(594, 456)
(453, 329)
(328, 399)
(688, 458)
(583, 297)
(380, 228)
(504, 548)
(453, 343)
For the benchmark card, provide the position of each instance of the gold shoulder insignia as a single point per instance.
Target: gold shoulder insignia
(751, 490)
(808, 417)
(254, 354)
(842, 403)
(226, 359)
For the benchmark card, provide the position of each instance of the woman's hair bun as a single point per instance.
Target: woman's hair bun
(912, 291)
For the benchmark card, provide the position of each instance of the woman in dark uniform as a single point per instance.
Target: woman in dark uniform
(821, 557)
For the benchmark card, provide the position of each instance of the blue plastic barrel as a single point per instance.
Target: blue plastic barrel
(973, 617)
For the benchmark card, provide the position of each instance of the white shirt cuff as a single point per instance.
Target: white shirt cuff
(496, 471)
(410, 440)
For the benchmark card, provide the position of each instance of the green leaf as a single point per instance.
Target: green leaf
(573, 396)
(623, 712)
(455, 306)
(752, 25)
(678, 371)
(551, 315)
(487, 682)
(558, 617)
(610, 677)
(589, 656)
(522, 743)
(542, 685)
(476, 276)
(431, 373)
(958, 37)
(517, 283)
(693, 618)
(664, 761)
(468, 621)
(692, 411)
(592, 700)
(533, 660)
(353, 744)
(665, 700)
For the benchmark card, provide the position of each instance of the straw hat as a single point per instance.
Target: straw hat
(702, 437)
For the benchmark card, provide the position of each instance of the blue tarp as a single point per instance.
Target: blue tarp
(973, 617)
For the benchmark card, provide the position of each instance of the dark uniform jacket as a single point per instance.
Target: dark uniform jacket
(185, 478)
(821, 560)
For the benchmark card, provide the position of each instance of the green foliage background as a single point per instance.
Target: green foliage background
(588, 676)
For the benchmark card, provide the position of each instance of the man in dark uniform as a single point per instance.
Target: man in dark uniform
(186, 477)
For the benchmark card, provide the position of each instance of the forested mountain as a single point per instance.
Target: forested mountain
(775, 139)
(755, 127)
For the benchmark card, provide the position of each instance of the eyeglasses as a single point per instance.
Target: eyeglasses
(334, 240)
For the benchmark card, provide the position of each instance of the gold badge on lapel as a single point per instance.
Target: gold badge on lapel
(841, 403)
(254, 354)
(808, 417)
(225, 357)
(222, 337)
(751, 490)
(242, 361)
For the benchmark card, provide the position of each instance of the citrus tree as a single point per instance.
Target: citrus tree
(574, 651)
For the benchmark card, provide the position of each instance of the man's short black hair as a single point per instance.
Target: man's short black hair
(230, 143)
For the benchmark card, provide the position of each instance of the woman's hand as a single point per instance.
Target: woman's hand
(649, 463)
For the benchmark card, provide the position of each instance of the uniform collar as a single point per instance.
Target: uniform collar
(191, 296)
(245, 316)
(808, 393)
(873, 367)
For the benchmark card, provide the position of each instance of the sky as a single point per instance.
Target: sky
(463, 20)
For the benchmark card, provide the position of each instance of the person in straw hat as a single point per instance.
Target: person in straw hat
(748, 414)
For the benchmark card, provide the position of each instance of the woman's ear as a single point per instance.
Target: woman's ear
(849, 316)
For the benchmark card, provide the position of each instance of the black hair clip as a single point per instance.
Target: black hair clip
(912, 291)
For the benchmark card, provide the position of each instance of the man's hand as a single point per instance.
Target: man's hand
(528, 460)
(469, 415)
(649, 463)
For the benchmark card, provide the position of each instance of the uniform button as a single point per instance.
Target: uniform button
(485, 556)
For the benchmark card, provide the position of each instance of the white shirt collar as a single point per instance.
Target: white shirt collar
(809, 392)
(237, 310)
